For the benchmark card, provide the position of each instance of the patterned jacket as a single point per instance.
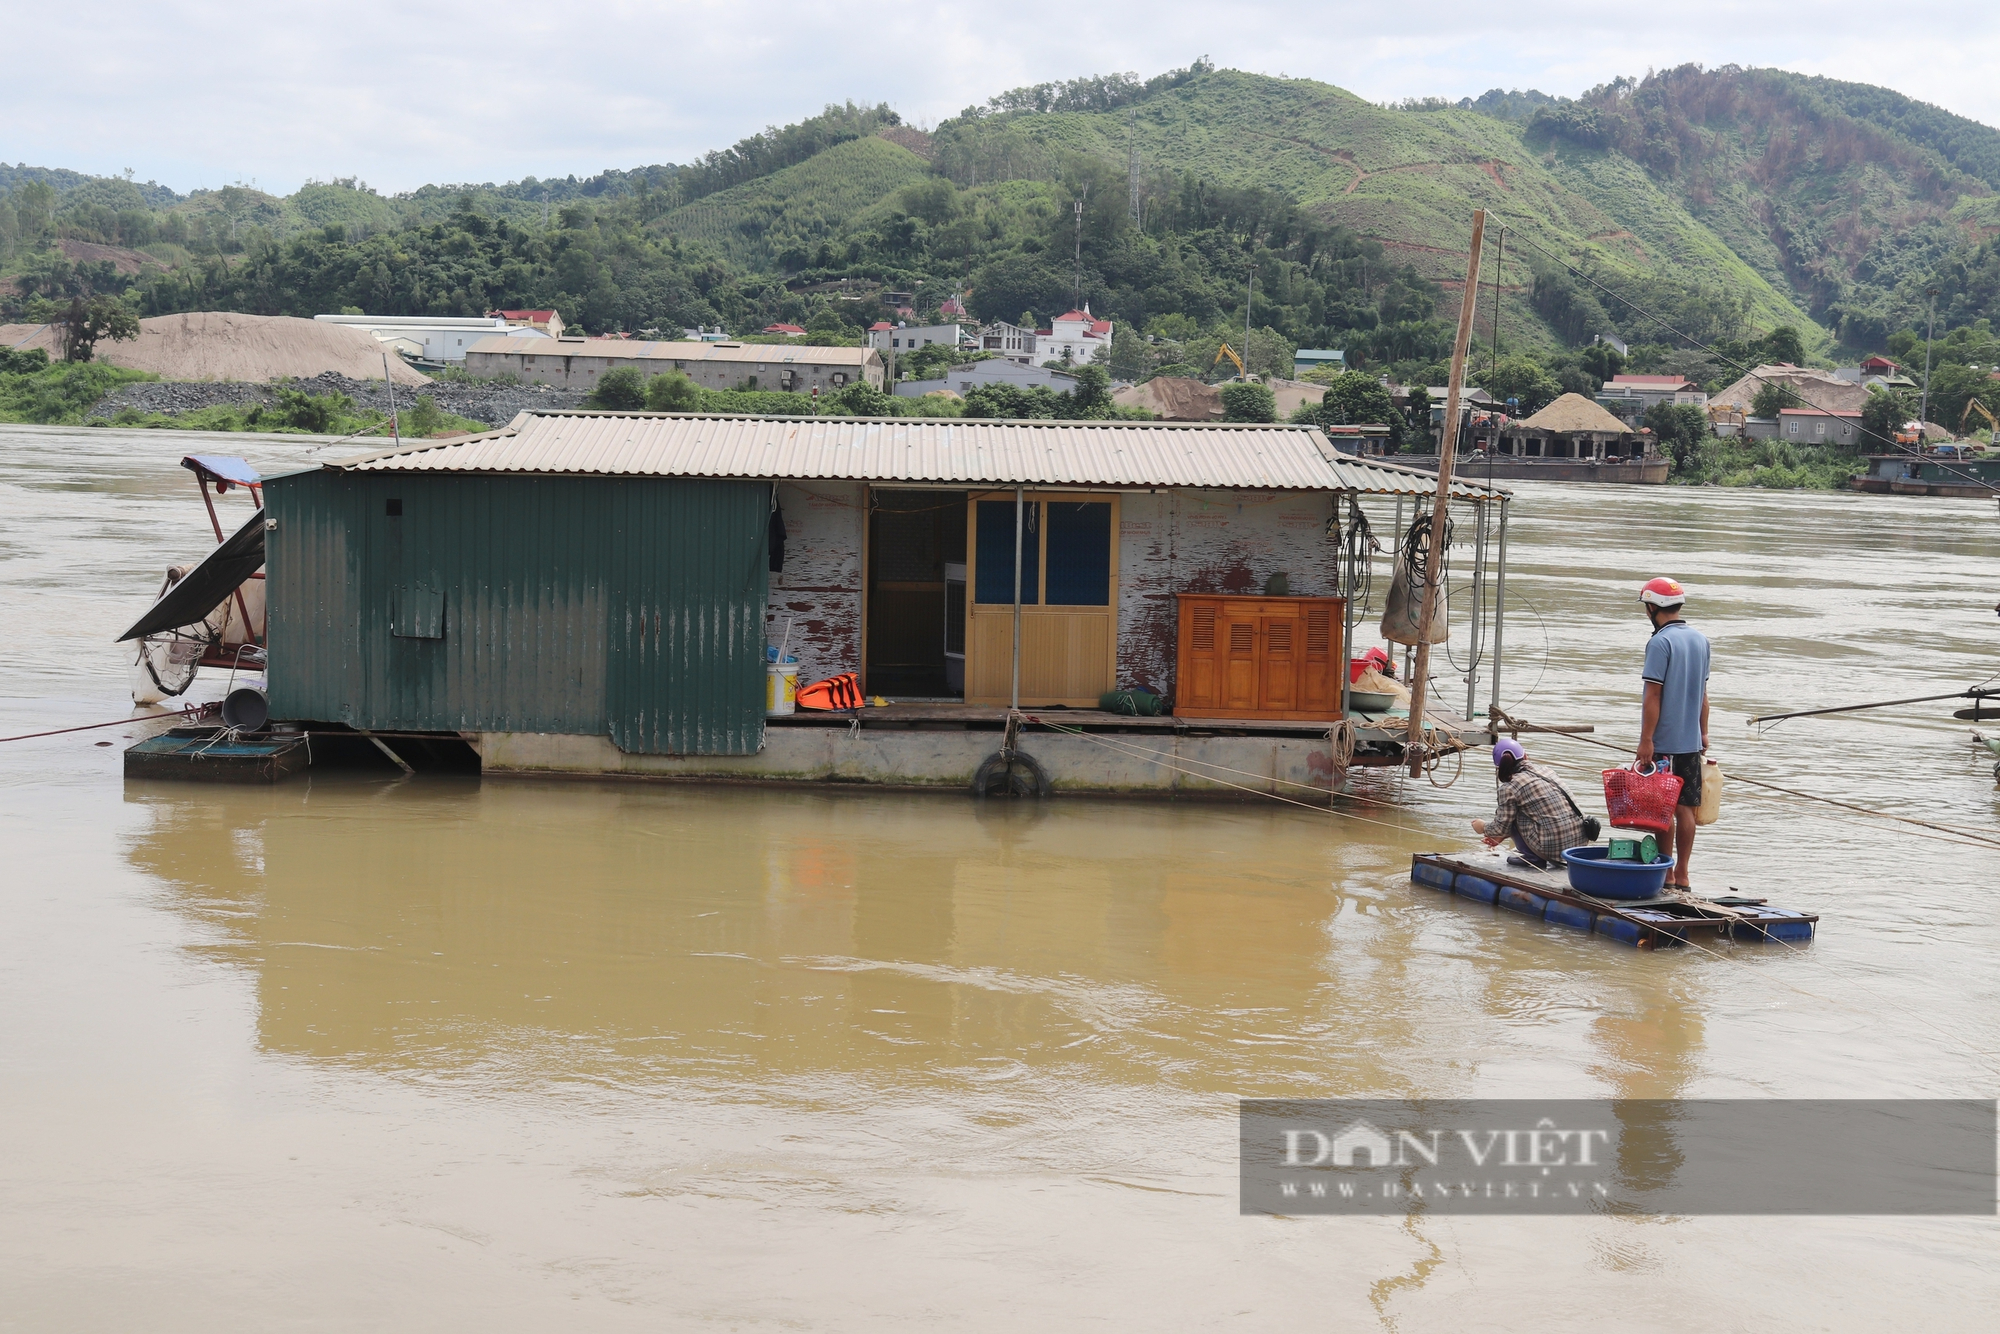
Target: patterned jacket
(1534, 809)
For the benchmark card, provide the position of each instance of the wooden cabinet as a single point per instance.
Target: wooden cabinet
(1259, 657)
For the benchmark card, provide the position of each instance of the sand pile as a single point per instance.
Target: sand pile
(218, 345)
(1174, 399)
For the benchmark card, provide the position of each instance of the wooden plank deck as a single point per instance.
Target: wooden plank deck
(953, 716)
(1646, 923)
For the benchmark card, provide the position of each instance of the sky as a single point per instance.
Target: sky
(204, 94)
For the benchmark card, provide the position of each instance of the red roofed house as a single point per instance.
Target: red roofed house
(1076, 337)
(788, 330)
(546, 321)
(953, 309)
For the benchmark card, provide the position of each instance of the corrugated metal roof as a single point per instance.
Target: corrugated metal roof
(937, 451)
(776, 354)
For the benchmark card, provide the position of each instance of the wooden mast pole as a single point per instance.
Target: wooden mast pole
(1413, 744)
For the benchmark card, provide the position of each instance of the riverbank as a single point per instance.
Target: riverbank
(485, 404)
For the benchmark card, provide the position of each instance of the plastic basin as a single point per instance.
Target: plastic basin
(1369, 701)
(1591, 872)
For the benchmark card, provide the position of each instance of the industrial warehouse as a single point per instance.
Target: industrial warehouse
(577, 363)
(601, 593)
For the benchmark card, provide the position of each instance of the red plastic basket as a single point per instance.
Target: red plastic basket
(1638, 800)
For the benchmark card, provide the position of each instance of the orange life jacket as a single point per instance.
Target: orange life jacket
(836, 692)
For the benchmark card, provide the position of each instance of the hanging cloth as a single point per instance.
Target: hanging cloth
(777, 539)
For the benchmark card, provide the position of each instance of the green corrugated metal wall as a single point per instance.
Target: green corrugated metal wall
(628, 607)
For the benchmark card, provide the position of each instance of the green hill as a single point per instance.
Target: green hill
(1725, 202)
(796, 207)
(1409, 180)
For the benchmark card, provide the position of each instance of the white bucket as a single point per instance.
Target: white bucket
(781, 688)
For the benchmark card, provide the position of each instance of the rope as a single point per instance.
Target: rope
(191, 711)
(1955, 833)
(1167, 762)
(1340, 736)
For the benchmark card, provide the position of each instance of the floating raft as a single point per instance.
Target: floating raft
(1642, 922)
(210, 754)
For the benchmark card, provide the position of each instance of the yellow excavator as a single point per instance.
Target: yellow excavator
(1227, 351)
(1984, 411)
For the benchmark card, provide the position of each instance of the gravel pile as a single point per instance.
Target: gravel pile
(494, 405)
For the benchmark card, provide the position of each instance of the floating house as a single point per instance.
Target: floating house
(1574, 440)
(594, 592)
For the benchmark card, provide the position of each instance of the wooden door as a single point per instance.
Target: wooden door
(1259, 657)
(1278, 665)
(1069, 598)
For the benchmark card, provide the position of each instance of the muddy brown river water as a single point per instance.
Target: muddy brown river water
(515, 1054)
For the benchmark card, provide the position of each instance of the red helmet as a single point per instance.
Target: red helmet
(1663, 592)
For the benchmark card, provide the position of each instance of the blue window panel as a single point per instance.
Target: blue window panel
(996, 553)
(1079, 553)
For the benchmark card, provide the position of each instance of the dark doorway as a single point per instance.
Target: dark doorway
(916, 586)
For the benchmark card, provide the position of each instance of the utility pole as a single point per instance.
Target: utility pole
(1249, 293)
(1930, 327)
(1413, 742)
(1076, 289)
(1132, 161)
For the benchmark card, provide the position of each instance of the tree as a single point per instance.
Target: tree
(423, 420)
(620, 390)
(100, 317)
(1783, 345)
(1773, 397)
(1602, 360)
(1130, 357)
(1243, 401)
(931, 361)
(862, 399)
(1090, 400)
(1011, 401)
(1522, 379)
(1883, 415)
(672, 392)
(1680, 429)
(1353, 399)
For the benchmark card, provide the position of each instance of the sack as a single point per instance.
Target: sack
(1636, 800)
(1402, 610)
(1132, 703)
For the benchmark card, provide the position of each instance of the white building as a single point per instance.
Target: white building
(1008, 340)
(899, 338)
(1076, 337)
(439, 339)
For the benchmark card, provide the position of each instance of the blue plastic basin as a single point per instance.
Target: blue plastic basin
(1590, 872)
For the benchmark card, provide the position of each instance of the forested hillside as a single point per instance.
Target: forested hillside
(1726, 203)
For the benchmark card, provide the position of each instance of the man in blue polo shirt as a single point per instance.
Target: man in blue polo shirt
(1673, 726)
